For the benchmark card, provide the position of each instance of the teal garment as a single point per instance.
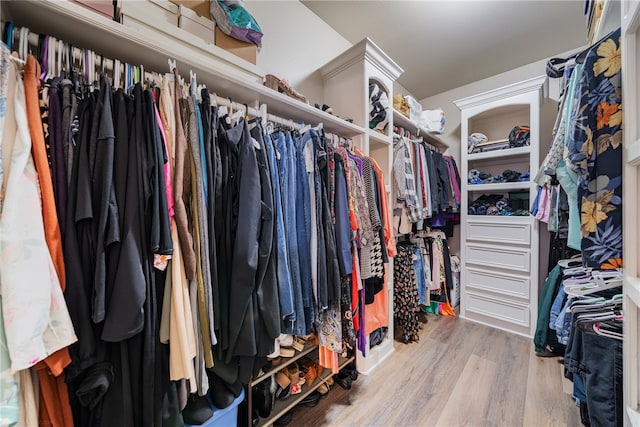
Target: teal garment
(569, 181)
(544, 336)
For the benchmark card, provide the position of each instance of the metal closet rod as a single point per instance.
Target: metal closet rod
(77, 55)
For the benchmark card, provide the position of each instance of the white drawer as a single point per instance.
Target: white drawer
(501, 283)
(507, 311)
(494, 256)
(501, 232)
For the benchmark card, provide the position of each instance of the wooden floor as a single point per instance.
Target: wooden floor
(459, 374)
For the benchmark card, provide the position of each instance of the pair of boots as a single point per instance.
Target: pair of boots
(346, 376)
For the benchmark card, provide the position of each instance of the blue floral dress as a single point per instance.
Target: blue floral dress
(594, 152)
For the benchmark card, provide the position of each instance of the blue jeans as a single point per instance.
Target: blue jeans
(303, 229)
(421, 278)
(284, 145)
(283, 272)
(599, 361)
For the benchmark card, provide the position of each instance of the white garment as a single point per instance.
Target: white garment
(35, 314)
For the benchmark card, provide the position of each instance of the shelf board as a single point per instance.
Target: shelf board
(379, 138)
(495, 154)
(609, 20)
(403, 121)
(222, 72)
(308, 348)
(501, 186)
(282, 406)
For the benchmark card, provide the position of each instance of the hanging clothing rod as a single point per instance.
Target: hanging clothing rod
(66, 55)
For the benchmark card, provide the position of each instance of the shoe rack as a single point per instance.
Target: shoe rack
(281, 407)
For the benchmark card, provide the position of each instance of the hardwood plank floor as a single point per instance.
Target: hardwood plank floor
(459, 374)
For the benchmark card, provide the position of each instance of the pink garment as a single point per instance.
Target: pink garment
(544, 205)
(167, 166)
(437, 266)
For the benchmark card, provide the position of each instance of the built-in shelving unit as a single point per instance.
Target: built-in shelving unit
(501, 259)
(346, 88)
(630, 26)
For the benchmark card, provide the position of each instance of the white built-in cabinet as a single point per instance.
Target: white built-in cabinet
(502, 261)
(346, 89)
(630, 17)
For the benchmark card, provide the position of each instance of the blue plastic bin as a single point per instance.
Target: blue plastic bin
(227, 417)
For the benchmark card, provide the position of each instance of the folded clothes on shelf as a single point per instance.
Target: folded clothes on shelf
(476, 176)
(494, 204)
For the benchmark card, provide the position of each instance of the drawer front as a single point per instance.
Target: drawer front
(495, 232)
(511, 312)
(509, 258)
(507, 284)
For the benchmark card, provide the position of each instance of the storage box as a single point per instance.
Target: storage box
(200, 7)
(202, 27)
(244, 50)
(103, 7)
(155, 14)
(227, 417)
(415, 109)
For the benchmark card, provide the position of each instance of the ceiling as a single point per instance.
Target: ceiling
(444, 44)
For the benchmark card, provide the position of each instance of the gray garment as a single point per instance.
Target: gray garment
(193, 141)
(417, 149)
(404, 180)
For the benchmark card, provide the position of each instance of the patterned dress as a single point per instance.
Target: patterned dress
(405, 295)
(594, 149)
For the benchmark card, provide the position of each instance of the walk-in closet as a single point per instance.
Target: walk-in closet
(319, 213)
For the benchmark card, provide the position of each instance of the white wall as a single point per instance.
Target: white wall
(296, 42)
(452, 114)
(445, 101)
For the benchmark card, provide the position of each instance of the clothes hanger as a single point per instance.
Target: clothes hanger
(590, 287)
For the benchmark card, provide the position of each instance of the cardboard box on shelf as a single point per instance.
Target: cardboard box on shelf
(244, 50)
(200, 7)
(197, 25)
(155, 14)
(103, 7)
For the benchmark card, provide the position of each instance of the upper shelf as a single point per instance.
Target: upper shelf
(609, 20)
(402, 121)
(502, 186)
(507, 152)
(222, 72)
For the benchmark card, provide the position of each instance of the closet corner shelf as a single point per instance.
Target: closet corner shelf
(495, 154)
(308, 348)
(402, 121)
(221, 71)
(282, 406)
(609, 20)
(379, 138)
(501, 186)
